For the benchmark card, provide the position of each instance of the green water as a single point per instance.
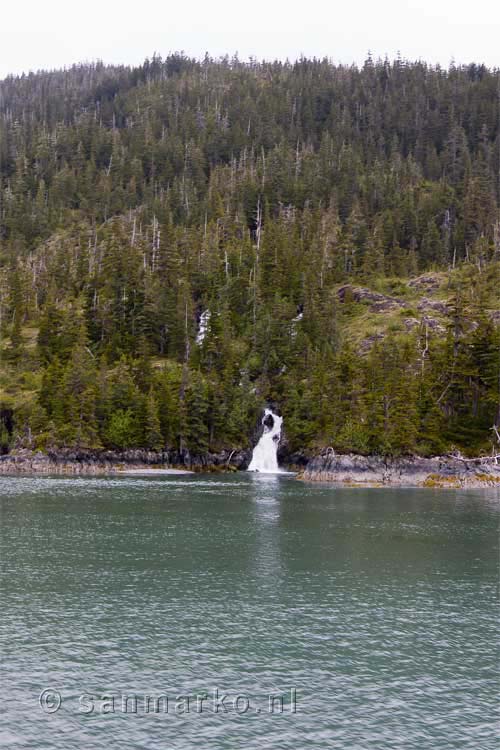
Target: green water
(378, 607)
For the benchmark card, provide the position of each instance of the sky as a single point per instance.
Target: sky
(57, 33)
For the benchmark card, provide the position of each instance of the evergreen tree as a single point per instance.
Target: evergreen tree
(333, 220)
(152, 427)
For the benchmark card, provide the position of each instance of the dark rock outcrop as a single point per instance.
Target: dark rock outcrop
(367, 343)
(68, 461)
(439, 471)
(434, 306)
(378, 302)
(430, 282)
(412, 323)
(350, 469)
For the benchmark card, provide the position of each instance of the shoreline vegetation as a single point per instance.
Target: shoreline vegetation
(447, 472)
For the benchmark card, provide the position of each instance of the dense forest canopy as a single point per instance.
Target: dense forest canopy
(336, 229)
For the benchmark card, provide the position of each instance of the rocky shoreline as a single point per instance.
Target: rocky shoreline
(346, 470)
(411, 471)
(66, 461)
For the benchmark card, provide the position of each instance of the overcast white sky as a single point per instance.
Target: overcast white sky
(38, 34)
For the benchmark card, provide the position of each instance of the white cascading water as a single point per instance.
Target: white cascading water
(203, 327)
(265, 453)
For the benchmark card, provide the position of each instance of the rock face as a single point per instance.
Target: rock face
(429, 282)
(367, 343)
(67, 461)
(378, 302)
(433, 306)
(439, 471)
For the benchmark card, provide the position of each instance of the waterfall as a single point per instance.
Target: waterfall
(265, 453)
(203, 326)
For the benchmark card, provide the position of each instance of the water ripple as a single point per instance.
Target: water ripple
(379, 607)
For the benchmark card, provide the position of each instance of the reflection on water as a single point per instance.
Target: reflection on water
(379, 606)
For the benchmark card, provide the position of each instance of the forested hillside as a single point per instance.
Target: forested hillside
(182, 242)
